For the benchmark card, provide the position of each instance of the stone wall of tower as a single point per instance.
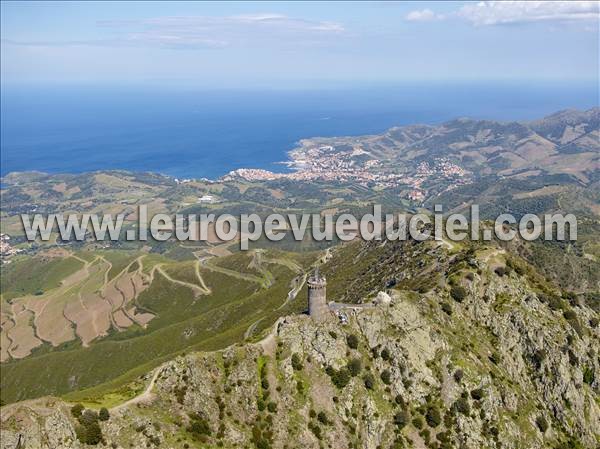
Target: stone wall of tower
(317, 298)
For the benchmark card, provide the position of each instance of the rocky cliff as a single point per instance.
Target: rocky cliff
(490, 359)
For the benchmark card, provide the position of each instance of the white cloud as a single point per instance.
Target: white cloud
(423, 15)
(509, 12)
(189, 32)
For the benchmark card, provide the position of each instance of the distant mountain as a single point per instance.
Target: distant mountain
(572, 130)
(565, 142)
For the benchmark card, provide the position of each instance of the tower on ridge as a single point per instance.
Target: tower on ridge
(317, 296)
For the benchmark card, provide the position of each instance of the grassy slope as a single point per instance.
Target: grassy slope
(30, 275)
(183, 321)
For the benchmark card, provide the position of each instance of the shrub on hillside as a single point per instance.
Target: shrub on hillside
(369, 381)
(385, 354)
(198, 427)
(495, 358)
(447, 308)
(103, 415)
(340, 378)
(76, 410)
(386, 377)
(88, 431)
(588, 375)
(477, 394)
(458, 375)
(433, 417)
(401, 419)
(354, 367)
(458, 293)
(461, 405)
(352, 341)
(322, 417)
(418, 422)
(538, 358)
(89, 434)
(88, 417)
(542, 424)
(297, 362)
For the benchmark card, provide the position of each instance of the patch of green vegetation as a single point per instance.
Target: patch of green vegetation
(88, 430)
(182, 322)
(240, 262)
(183, 271)
(118, 260)
(502, 302)
(31, 275)
(458, 293)
(340, 378)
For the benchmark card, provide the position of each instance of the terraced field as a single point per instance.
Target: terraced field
(85, 305)
(115, 314)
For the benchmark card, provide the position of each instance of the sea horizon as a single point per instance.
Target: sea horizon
(194, 133)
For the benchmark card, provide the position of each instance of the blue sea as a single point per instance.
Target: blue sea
(197, 133)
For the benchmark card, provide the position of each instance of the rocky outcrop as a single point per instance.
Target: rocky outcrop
(488, 360)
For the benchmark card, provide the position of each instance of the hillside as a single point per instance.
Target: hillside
(94, 322)
(487, 355)
(100, 315)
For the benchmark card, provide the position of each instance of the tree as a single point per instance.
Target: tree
(458, 375)
(341, 378)
(297, 362)
(103, 415)
(401, 419)
(352, 341)
(458, 293)
(433, 417)
(386, 377)
(369, 381)
(322, 417)
(88, 417)
(93, 434)
(354, 367)
(462, 406)
(477, 394)
(385, 354)
(76, 410)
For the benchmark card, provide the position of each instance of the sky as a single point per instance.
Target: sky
(290, 44)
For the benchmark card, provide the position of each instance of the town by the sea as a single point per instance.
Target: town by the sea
(195, 133)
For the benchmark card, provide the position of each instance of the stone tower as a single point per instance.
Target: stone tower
(317, 297)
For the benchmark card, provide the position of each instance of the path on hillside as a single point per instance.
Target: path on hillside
(199, 276)
(195, 287)
(267, 343)
(252, 328)
(145, 396)
(236, 274)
